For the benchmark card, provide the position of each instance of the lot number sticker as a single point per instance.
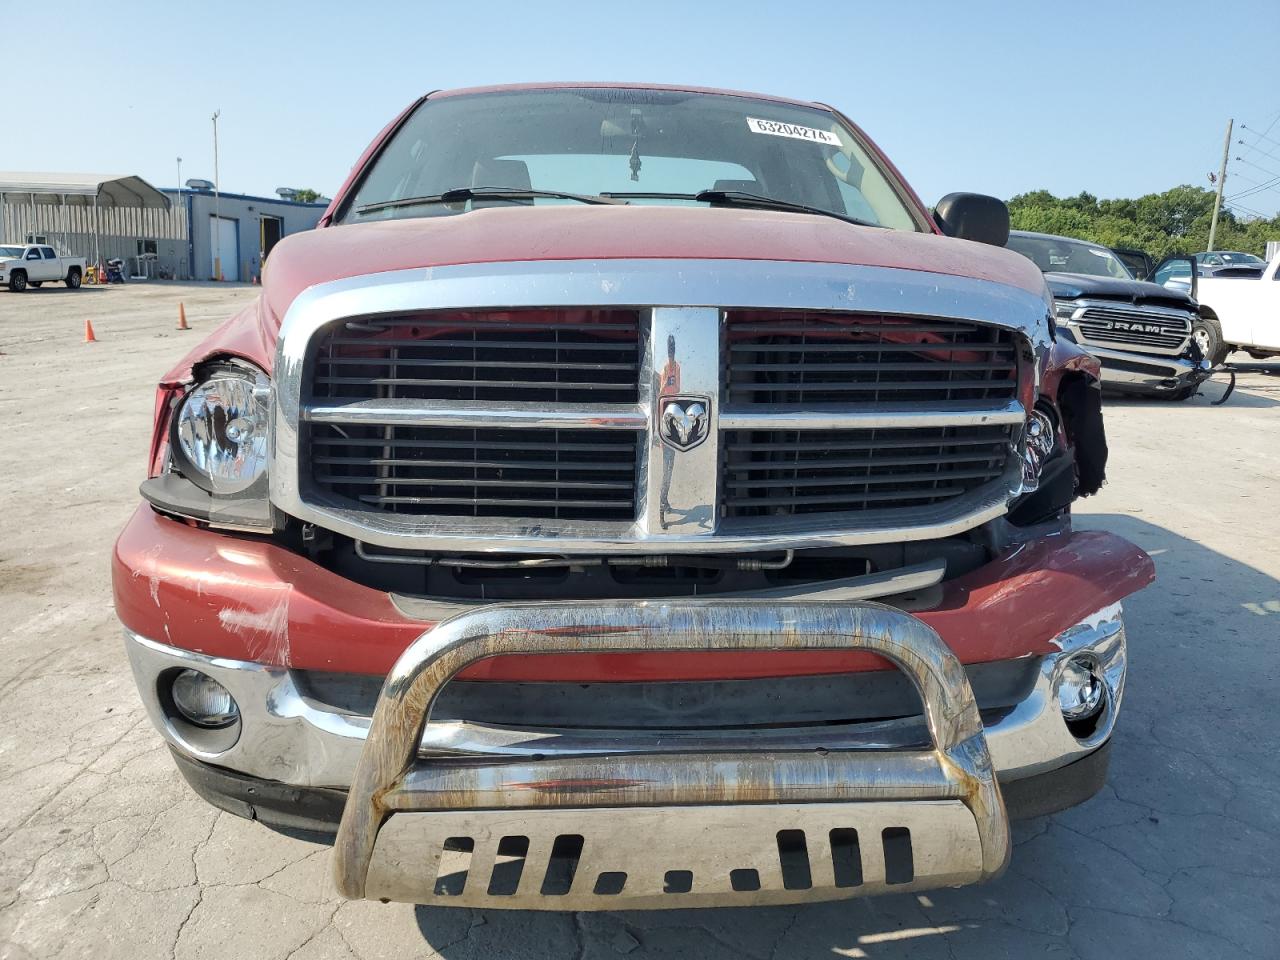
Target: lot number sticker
(777, 129)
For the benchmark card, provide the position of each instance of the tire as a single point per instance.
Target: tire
(1207, 333)
(35, 284)
(18, 281)
(73, 279)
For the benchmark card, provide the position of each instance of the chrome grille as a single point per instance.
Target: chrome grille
(784, 473)
(527, 473)
(1160, 329)
(811, 358)
(436, 422)
(551, 356)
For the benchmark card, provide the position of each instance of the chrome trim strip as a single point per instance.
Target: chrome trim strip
(679, 488)
(288, 738)
(438, 413)
(665, 290)
(884, 417)
(500, 535)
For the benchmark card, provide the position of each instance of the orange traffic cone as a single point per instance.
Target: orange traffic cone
(182, 318)
(88, 333)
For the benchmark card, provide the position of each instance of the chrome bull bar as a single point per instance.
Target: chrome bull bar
(406, 818)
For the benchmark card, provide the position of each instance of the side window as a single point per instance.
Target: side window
(1176, 270)
(48, 253)
(33, 253)
(1213, 260)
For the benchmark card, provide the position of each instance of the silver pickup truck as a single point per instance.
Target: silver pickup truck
(30, 265)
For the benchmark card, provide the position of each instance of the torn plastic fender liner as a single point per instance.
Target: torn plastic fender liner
(1080, 400)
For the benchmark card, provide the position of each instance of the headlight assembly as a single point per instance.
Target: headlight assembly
(220, 436)
(1065, 310)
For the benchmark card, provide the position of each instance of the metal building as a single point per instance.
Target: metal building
(181, 234)
(234, 232)
(94, 215)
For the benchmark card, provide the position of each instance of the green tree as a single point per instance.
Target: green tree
(1175, 221)
(306, 195)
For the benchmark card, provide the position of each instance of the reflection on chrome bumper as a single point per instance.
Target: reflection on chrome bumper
(287, 737)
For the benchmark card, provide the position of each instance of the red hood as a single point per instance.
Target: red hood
(637, 231)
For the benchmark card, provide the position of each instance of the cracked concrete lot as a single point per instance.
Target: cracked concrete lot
(105, 852)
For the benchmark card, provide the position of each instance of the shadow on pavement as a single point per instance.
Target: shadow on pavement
(1176, 857)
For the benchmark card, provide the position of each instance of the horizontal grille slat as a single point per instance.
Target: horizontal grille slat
(480, 482)
(506, 384)
(483, 364)
(496, 464)
(821, 358)
(837, 463)
(556, 504)
(858, 480)
(531, 445)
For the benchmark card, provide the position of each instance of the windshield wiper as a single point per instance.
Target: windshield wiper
(463, 194)
(740, 198)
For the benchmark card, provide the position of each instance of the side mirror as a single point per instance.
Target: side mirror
(973, 216)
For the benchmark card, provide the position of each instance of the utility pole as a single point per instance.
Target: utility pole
(1222, 179)
(218, 219)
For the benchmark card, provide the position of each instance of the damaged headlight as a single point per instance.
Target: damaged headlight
(1040, 442)
(1065, 310)
(220, 434)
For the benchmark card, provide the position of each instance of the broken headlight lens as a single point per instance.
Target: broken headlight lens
(1041, 439)
(220, 439)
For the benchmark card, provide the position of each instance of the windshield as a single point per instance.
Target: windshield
(630, 143)
(1237, 258)
(10, 253)
(1060, 255)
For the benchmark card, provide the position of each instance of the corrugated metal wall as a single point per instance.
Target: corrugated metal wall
(71, 230)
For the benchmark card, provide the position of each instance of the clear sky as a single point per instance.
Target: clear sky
(1119, 98)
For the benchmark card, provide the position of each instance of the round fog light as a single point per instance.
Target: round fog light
(1080, 688)
(203, 700)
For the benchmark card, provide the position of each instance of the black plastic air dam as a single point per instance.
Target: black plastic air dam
(317, 810)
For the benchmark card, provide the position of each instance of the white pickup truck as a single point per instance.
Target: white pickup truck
(1244, 305)
(32, 264)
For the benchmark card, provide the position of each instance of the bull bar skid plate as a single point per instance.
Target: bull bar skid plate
(684, 829)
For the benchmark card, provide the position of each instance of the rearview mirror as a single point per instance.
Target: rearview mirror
(973, 216)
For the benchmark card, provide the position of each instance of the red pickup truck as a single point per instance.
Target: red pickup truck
(633, 497)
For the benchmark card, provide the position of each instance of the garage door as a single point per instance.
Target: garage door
(223, 244)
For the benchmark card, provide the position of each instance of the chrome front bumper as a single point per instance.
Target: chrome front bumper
(1146, 372)
(422, 795)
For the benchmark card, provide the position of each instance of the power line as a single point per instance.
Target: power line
(1269, 173)
(1269, 154)
(1249, 210)
(1259, 188)
(1260, 136)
